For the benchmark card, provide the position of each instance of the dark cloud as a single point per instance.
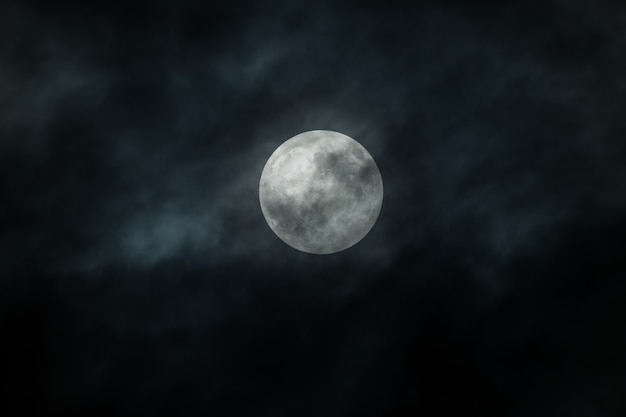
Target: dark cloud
(137, 274)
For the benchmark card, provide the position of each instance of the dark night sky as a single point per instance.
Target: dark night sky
(138, 276)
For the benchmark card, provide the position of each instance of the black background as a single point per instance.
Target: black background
(138, 276)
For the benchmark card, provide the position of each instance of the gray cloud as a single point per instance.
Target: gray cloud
(133, 141)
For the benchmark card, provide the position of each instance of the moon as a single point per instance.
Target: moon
(321, 192)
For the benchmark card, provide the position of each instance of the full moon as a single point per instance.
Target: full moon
(321, 192)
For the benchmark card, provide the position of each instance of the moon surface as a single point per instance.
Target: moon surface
(321, 192)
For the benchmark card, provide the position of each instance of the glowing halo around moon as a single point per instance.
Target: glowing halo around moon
(321, 192)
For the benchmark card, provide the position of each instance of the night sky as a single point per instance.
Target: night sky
(139, 277)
